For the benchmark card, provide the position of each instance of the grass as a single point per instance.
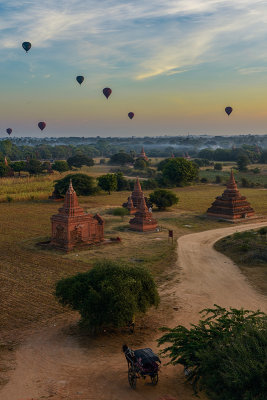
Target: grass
(249, 251)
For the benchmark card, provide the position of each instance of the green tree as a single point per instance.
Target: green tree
(163, 198)
(108, 182)
(109, 295)
(121, 159)
(179, 171)
(162, 164)
(218, 166)
(4, 169)
(19, 166)
(122, 183)
(140, 163)
(78, 160)
(225, 353)
(243, 162)
(83, 184)
(34, 167)
(60, 166)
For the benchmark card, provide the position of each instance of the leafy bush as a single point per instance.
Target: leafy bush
(218, 166)
(218, 179)
(120, 212)
(163, 198)
(60, 166)
(226, 353)
(109, 295)
(121, 159)
(83, 184)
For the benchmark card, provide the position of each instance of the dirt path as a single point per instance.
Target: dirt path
(57, 365)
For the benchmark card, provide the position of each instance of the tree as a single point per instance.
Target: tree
(179, 171)
(140, 163)
(162, 164)
(4, 169)
(109, 295)
(60, 166)
(121, 159)
(218, 166)
(163, 198)
(78, 160)
(122, 183)
(83, 184)
(34, 167)
(225, 353)
(107, 182)
(243, 162)
(19, 166)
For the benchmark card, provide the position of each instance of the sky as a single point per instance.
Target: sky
(175, 63)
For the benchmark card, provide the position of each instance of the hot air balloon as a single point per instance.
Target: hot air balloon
(26, 46)
(42, 125)
(107, 92)
(131, 115)
(9, 131)
(228, 110)
(80, 79)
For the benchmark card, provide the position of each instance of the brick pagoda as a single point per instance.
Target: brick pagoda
(231, 205)
(143, 220)
(143, 155)
(135, 199)
(72, 226)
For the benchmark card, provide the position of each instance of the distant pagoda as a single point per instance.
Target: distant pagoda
(231, 205)
(135, 199)
(143, 155)
(143, 220)
(72, 226)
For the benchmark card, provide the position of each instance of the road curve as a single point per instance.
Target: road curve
(208, 277)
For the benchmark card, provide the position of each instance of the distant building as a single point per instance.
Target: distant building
(143, 155)
(73, 227)
(135, 199)
(231, 205)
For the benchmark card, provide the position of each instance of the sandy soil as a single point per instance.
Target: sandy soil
(56, 363)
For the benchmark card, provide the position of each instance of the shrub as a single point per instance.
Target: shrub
(225, 352)
(109, 295)
(121, 159)
(83, 184)
(203, 180)
(120, 212)
(163, 198)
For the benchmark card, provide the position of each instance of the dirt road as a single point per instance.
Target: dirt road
(54, 364)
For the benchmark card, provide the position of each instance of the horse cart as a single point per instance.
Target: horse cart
(142, 363)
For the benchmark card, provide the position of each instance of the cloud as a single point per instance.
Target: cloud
(252, 70)
(139, 39)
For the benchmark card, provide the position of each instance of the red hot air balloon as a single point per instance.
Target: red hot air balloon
(42, 125)
(228, 110)
(107, 92)
(80, 79)
(131, 115)
(9, 131)
(26, 46)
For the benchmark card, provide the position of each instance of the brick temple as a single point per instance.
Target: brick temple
(135, 199)
(143, 155)
(72, 226)
(231, 205)
(143, 220)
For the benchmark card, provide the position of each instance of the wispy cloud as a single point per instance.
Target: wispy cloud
(144, 38)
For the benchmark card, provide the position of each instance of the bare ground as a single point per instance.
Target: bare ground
(57, 362)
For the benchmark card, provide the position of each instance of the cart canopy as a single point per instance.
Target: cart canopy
(147, 356)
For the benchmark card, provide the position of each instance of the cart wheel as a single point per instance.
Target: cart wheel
(132, 378)
(154, 379)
